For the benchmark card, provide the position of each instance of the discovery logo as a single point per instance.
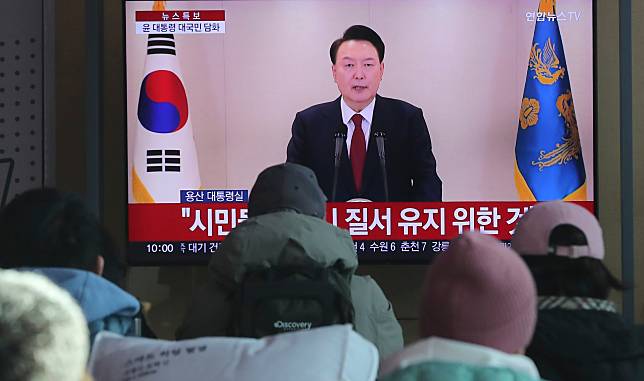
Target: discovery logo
(292, 325)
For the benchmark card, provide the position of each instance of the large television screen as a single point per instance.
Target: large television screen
(213, 89)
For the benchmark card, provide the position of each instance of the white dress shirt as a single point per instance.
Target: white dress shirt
(367, 118)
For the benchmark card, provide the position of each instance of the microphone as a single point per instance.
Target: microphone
(380, 142)
(340, 136)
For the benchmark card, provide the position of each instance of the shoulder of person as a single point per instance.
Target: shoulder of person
(396, 104)
(366, 290)
(247, 243)
(326, 107)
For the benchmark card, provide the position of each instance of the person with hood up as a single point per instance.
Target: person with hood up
(52, 233)
(286, 227)
(579, 333)
(477, 316)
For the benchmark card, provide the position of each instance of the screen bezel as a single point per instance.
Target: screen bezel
(191, 261)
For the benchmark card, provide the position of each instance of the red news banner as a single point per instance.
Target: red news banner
(427, 221)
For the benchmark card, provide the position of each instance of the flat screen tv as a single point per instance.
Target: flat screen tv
(213, 87)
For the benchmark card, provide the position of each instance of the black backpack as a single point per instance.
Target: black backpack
(282, 299)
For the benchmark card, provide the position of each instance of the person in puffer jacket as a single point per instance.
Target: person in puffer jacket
(53, 233)
(286, 226)
(579, 335)
(477, 316)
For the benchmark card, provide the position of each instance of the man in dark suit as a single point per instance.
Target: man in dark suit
(410, 166)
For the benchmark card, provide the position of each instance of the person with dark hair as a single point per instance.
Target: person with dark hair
(477, 316)
(386, 154)
(50, 228)
(52, 232)
(285, 228)
(579, 334)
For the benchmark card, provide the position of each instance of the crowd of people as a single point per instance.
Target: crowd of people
(538, 310)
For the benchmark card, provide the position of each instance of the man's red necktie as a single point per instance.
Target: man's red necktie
(358, 151)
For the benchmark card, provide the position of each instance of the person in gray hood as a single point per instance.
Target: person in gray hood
(286, 227)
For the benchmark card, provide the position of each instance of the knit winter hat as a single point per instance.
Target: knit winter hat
(532, 234)
(44, 332)
(479, 292)
(287, 186)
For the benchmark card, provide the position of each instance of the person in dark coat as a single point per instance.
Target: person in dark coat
(579, 334)
(365, 117)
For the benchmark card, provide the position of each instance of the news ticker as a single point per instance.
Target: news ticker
(199, 253)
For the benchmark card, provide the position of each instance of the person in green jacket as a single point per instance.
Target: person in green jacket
(286, 226)
(477, 316)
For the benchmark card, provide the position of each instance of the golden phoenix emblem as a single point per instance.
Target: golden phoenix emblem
(529, 112)
(571, 146)
(545, 64)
